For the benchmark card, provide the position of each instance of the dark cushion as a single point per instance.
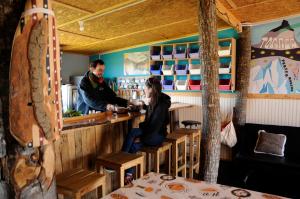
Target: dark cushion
(270, 143)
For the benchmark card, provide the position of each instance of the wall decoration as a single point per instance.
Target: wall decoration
(136, 63)
(275, 64)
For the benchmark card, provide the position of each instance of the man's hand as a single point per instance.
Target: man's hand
(110, 107)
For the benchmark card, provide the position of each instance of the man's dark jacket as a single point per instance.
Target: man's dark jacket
(95, 96)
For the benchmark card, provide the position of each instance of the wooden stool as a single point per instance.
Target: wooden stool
(77, 182)
(156, 151)
(193, 135)
(176, 139)
(120, 162)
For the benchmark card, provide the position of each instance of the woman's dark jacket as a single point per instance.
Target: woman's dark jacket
(95, 96)
(156, 121)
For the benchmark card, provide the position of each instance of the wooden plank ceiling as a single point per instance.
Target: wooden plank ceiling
(117, 24)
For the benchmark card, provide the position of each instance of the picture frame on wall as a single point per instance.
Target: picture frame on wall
(275, 60)
(136, 63)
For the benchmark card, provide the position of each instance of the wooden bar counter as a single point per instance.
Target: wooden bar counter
(85, 137)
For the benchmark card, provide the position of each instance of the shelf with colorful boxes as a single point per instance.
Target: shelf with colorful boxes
(181, 59)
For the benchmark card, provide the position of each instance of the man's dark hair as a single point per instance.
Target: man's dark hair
(96, 62)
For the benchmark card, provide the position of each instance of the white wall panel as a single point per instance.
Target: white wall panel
(274, 111)
(262, 111)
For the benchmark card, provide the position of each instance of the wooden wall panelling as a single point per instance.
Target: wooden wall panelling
(78, 148)
(84, 147)
(58, 165)
(64, 150)
(103, 139)
(71, 149)
(91, 141)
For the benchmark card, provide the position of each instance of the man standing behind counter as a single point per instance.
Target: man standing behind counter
(94, 93)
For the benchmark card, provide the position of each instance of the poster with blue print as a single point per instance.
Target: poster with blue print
(275, 64)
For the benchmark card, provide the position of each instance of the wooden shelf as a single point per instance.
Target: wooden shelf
(232, 56)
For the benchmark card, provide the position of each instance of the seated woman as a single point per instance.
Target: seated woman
(153, 130)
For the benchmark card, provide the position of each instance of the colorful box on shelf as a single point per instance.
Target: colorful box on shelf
(168, 69)
(168, 84)
(194, 53)
(181, 69)
(224, 84)
(195, 69)
(167, 54)
(224, 68)
(181, 84)
(155, 69)
(194, 84)
(180, 53)
(155, 52)
(224, 50)
(155, 57)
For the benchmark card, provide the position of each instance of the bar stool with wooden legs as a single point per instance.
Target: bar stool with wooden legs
(178, 139)
(156, 152)
(77, 182)
(120, 162)
(194, 137)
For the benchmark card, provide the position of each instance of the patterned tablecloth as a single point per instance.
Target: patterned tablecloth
(160, 186)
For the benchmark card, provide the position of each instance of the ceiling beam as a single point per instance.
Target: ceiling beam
(253, 4)
(81, 35)
(140, 31)
(226, 15)
(114, 8)
(231, 3)
(71, 7)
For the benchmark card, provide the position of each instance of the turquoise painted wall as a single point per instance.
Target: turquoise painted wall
(114, 62)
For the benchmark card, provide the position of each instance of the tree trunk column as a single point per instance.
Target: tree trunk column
(243, 74)
(26, 171)
(210, 91)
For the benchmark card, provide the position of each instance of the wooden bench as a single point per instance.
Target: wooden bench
(77, 182)
(156, 151)
(120, 162)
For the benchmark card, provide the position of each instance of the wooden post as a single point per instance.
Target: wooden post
(243, 74)
(26, 171)
(10, 12)
(210, 82)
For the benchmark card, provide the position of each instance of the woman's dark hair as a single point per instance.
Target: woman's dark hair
(155, 84)
(96, 62)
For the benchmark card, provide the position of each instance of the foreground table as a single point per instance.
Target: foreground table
(160, 186)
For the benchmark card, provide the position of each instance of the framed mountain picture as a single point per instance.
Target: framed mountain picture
(275, 61)
(136, 63)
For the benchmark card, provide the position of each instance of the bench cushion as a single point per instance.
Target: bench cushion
(270, 143)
